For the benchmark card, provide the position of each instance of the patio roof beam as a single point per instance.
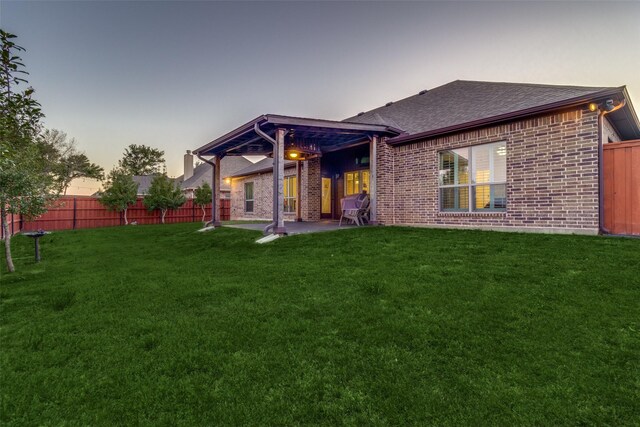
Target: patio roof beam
(277, 120)
(337, 147)
(328, 132)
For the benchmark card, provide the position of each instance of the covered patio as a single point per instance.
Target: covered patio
(296, 139)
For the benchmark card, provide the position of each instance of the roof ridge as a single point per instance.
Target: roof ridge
(536, 84)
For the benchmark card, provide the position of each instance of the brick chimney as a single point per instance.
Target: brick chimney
(188, 165)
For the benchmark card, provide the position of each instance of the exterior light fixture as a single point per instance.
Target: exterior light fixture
(227, 180)
(608, 105)
(300, 149)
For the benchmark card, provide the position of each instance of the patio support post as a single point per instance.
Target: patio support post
(299, 191)
(213, 186)
(278, 171)
(373, 187)
(216, 192)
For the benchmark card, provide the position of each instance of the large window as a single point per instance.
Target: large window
(356, 182)
(474, 178)
(290, 193)
(248, 196)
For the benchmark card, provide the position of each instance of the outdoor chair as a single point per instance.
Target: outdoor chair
(365, 207)
(355, 208)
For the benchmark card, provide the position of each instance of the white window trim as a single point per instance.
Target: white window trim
(360, 179)
(471, 185)
(252, 200)
(290, 197)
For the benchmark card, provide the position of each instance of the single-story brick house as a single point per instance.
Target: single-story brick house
(466, 154)
(194, 177)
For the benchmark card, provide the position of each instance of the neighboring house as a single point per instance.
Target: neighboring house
(252, 190)
(144, 182)
(195, 177)
(465, 154)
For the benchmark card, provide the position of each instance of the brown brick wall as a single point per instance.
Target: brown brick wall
(263, 194)
(552, 176)
(311, 190)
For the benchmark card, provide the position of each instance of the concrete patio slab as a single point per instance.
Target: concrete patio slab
(298, 227)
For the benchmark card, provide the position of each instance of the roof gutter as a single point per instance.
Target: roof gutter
(514, 115)
(601, 113)
(234, 133)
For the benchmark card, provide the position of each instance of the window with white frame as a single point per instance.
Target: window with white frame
(473, 179)
(290, 193)
(248, 196)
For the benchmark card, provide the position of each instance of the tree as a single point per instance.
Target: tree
(142, 160)
(120, 192)
(26, 186)
(202, 197)
(67, 163)
(163, 195)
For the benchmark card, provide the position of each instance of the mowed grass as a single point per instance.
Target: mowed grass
(159, 325)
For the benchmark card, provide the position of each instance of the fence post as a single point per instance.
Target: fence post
(193, 211)
(74, 212)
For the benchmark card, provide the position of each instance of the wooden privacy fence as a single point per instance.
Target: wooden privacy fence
(69, 213)
(622, 187)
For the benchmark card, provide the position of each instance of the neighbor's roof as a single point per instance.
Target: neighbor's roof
(144, 182)
(463, 104)
(264, 165)
(202, 173)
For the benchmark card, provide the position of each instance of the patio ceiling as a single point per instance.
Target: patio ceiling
(329, 135)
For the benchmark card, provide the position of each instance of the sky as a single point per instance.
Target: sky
(176, 75)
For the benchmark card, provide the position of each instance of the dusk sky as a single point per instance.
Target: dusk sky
(175, 75)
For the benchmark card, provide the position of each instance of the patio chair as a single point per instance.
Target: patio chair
(365, 207)
(355, 208)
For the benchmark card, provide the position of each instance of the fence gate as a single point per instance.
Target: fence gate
(622, 187)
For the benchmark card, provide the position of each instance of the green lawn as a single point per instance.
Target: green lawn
(158, 325)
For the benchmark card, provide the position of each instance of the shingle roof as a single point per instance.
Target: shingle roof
(144, 182)
(202, 173)
(467, 101)
(264, 165)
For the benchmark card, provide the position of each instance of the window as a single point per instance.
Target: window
(290, 193)
(248, 196)
(474, 178)
(356, 182)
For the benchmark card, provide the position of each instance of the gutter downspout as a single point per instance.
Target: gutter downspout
(213, 189)
(601, 114)
(267, 138)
